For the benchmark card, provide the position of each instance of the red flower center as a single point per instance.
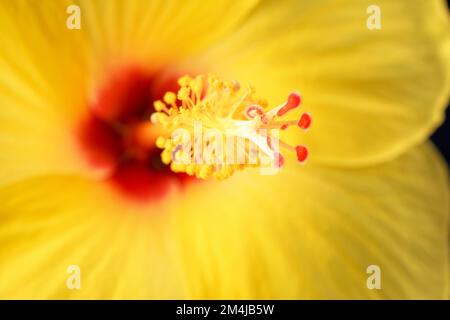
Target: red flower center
(118, 138)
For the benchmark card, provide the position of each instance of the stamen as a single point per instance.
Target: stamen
(305, 121)
(293, 102)
(279, 160)
(255, 110)
(207, 116)
(302, 153)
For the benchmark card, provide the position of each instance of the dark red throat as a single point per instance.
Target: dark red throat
(117, 136)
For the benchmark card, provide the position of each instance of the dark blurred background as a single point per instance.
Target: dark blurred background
(441, 136)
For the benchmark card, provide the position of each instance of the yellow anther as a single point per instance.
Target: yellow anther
(197, 85)
(183, 93)
(204, 172)
(159, 105)
(166, 157)
(229, 85)
(177, 167)
(168, 144)
(170, 98)
(160, 142)
(159, 118)
(219, 175)
(211, 79)
(190, 169)
(236, 85)
(263, 103)
(184, 81)
(218, 85)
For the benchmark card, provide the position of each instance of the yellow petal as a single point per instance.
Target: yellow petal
(158, 32)
(121, 252)
(313, 232)
(41, 89)
(305, 233)
(372, 93)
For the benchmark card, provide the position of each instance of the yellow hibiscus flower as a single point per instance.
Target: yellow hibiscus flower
(82, 184)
